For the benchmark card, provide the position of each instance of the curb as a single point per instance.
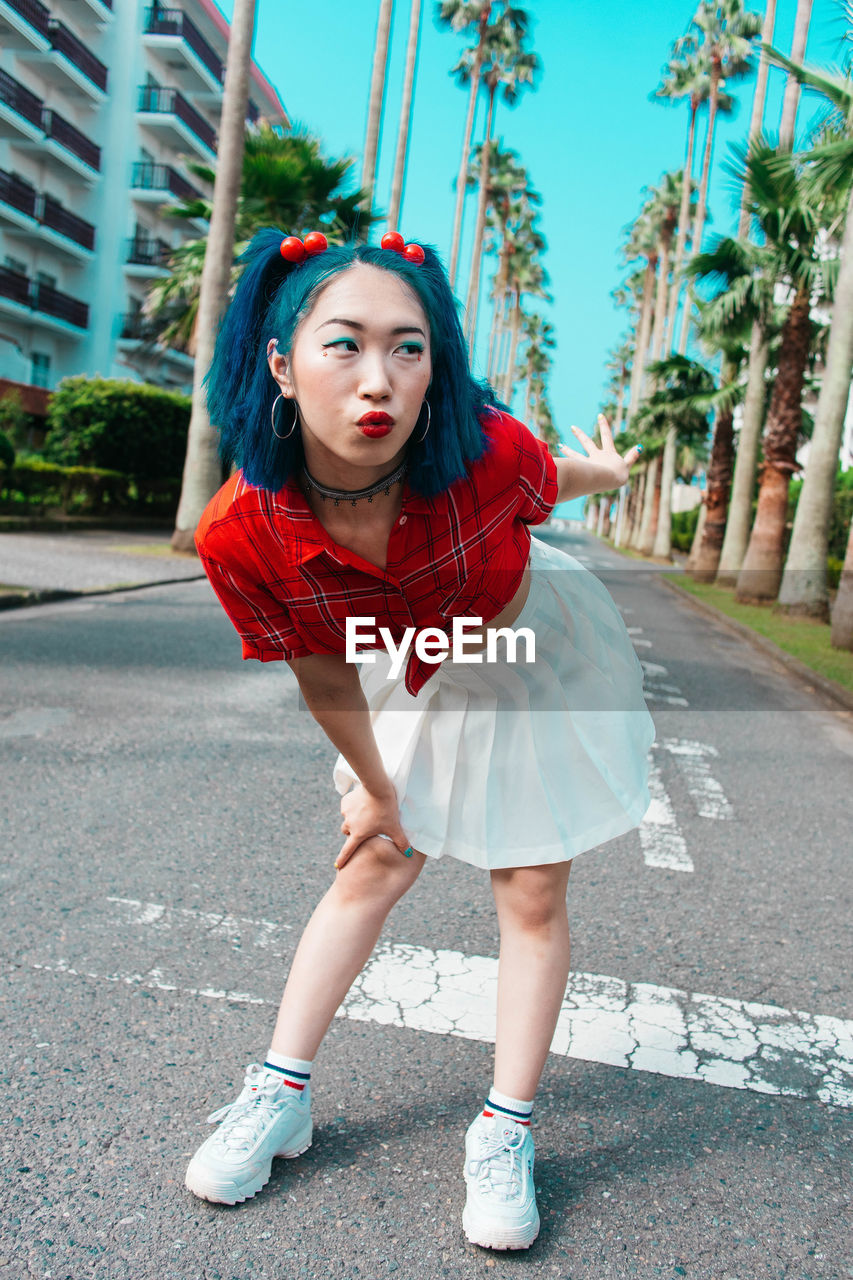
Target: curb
(832, 690)
(22, 599)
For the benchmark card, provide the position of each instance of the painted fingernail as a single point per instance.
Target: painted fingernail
(639, 448)
(407, 853)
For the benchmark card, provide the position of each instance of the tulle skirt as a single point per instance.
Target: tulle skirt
(513, 763)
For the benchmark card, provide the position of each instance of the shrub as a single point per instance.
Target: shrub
(684, 527)
(131, 427)
(14, 423)
(7, 451)
(34, 484)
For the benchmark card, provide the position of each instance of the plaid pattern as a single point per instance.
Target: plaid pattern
(288, 588)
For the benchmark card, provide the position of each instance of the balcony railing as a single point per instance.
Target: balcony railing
(66, 43)
(36, 14)
(174, 22)
(56, 126)
(53, 215)
(170, 102)
(17, 193)
(149, 253)
(43, 297)
(20, 99)
(148, 176)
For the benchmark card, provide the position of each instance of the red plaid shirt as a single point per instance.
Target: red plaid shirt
(289, 588)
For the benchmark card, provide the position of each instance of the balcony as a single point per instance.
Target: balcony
(57, 218)
(24, 23)
(58, 128)
(151, 256)
(29, 212)
(174, 23)
(18, 194)
(163, 180)
(78, 55)
(169, 109)
(24, 105)
(38, 297)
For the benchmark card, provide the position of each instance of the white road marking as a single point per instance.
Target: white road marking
(662, 843)
(233, 929)
(654, 688)
(664, 1030)
(693, 760)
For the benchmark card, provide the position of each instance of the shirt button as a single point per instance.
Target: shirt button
(403, 519)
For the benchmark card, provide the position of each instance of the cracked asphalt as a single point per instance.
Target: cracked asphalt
(143, 763)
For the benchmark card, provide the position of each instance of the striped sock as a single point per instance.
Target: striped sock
(295, 1072)
(502, 1104)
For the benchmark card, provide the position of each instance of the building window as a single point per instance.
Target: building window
(15, 264)
(40, 373)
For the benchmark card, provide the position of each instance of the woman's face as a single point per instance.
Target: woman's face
(359, 368)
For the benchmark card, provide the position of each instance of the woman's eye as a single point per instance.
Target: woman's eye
(344, 344)
(412, 348)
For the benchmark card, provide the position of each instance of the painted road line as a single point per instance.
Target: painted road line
(234, 929)
(654, 688)
(693, 760)
(661, 839)
(663, 1030)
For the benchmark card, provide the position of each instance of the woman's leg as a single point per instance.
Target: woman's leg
(532, 971)
(338, 940)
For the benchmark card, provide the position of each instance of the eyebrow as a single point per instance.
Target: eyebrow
(354, 324)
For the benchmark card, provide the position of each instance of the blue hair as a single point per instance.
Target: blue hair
(271, 298)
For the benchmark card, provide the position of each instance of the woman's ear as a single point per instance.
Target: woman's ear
(279, 366)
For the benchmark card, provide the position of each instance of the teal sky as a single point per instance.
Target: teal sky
(589, 135)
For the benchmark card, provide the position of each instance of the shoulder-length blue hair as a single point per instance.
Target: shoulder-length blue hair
(271, 298)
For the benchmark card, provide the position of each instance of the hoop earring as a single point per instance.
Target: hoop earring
(278, 436)
(429, 419)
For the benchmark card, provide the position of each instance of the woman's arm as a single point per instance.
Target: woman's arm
(334, 696)
(600, 470)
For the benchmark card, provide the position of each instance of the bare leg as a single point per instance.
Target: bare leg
(532, 971)
(337, 942)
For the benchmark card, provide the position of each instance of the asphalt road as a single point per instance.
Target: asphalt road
(168, 823)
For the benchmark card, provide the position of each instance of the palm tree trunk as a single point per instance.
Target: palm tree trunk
(698, 535)
(637, 508)
(473, 300)
(377, 97)
(591, 513)
(620, 403)
(462, 176)
(792, 88)
(202, 468)
(664, 245)
(696, 246)
(405, 118)
(663, 535)
(621, 515)
(606, 504)
(842, 611)
(509, 380)
(761, 571)
(646, 537)
(759, 97)
(740, 508)
(804, 580)
(720, 467)
(683, 220)
(644, 327)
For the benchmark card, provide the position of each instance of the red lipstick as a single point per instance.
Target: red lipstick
(375, 424)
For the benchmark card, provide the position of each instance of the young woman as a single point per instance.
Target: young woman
(379, 482)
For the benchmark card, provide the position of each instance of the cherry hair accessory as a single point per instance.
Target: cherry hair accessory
(294, 250)
(411, 252)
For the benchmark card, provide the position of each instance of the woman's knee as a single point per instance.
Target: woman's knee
(378, 871)
(531, 898)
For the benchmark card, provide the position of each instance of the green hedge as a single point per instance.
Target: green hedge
(107, 424)
(7, 450)
(684, 527)
(34, 484)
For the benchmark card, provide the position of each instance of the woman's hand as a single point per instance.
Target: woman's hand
(367, 814)
(608, 469)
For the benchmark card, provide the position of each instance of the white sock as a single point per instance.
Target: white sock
(295, 1072)
(513, 1108)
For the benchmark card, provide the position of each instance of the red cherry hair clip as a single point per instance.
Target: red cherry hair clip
(294, 250)
(411, 252)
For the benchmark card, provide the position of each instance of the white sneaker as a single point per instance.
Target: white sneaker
(268, 1119)
(500, 1211)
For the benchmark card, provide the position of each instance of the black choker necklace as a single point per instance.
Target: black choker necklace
(355, 495)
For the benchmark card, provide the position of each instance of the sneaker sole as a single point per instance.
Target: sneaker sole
(490, 1236)
(230, 1193)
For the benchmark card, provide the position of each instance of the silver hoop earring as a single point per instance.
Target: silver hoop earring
(429, 419)
(278, 436)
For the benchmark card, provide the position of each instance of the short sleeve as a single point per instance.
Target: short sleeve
(537, 475)
(261, 620)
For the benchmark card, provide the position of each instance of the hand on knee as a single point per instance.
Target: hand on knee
(378, 871)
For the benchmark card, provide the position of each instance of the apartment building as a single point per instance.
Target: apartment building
(103, 104)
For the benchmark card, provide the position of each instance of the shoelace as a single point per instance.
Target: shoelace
(242, 1118)
(498, 1168)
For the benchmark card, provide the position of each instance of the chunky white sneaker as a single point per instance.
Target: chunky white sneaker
(500, 1211)
(268, 1119)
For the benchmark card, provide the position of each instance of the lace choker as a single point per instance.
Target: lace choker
(355, 495)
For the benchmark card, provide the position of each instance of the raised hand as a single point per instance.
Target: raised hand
(607, 460)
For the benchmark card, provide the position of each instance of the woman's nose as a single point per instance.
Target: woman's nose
(374, 379)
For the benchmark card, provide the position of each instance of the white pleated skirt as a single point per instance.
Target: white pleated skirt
(514, 763)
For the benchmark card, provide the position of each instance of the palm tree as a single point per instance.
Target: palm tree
(526, 276)
(202, 468)
(470, 16)
(620, 365)
(791, 219)
(792, 88)
(377, 98)
(829, 166)
(538, 341)
(405, 117)
(842, 612)
(642, 242)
